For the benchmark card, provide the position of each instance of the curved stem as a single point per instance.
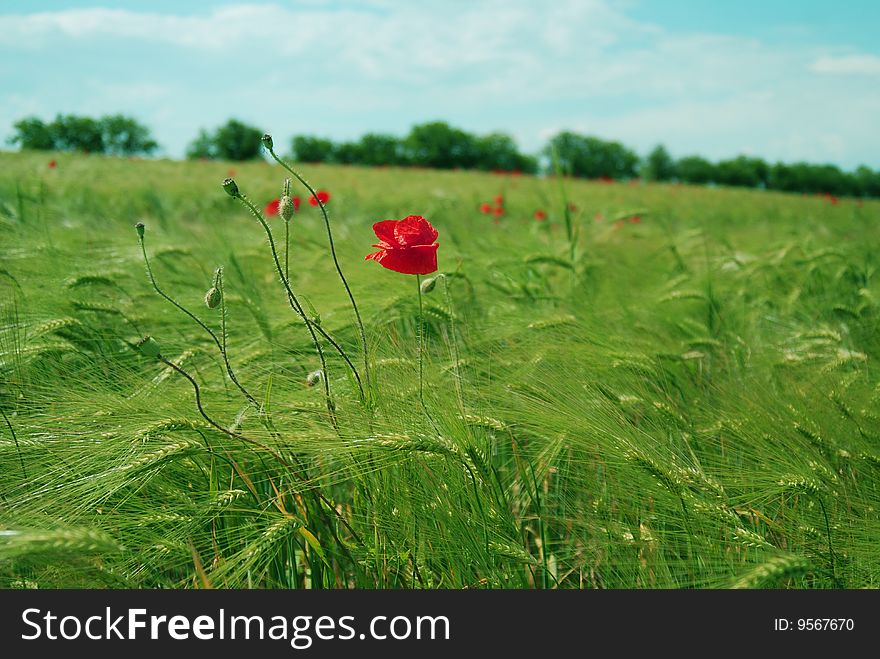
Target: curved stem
(220, 346)
(354, 306)
(295, 305)
(247, 440)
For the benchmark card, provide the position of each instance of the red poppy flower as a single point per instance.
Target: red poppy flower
(635, 219)
(833, 201)
(296, 201)
(322, 198)
(486, 208)
(230, 172)
(272, 207)
(498, 211)
(406, 246)
(499, 200)
(53, 164)
(540, 215)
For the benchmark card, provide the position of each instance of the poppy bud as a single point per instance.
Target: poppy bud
(429, 284)
(149, 347)
(230, 187)
(213, 297)
(314, 377)
(286, 208)
(140, 229)
(267, 141)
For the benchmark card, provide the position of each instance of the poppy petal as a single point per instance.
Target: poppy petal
(418, 260)
(385, 231)
(414, 230)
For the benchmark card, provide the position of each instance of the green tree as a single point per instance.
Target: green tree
(498, 151)
(234, 140)
(694, 169)
(124, 136)
(742, 171)
(659, 165)
(437, 144)
(378, 149)
(237, 141)
(347, 153)
(591, 157)
(32, 133)
(312, 149)
(75, 133)
(202, 147)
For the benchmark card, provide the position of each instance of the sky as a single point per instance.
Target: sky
(781, 79)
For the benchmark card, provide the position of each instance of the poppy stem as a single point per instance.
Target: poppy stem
(420, 335)
(297, 307)
(220, 346)
(354, 306)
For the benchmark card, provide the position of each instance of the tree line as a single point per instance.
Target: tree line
(438, 145)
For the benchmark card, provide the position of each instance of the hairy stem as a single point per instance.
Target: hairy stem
(354, 306)
(221, 346)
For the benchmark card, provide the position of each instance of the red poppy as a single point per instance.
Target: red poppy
(406, 246)
(540, 215)
(486, 208)
(272, 207)
(296, 201)
(499, 200)
(322, 198)
(635, 219)
(53, 164)
(230, 172)
(833, 201)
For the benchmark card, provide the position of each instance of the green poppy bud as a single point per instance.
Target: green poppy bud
(140, 229)
(286, 208)
(230, 187)
(267, 141)
(429, 284)
(149, 347)
(314, 377)
(213, 297)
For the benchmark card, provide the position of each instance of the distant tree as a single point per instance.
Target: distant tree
(591, 157)
(75, 133)
(742, 171)
(32, 133)
(867, 182)
(312, 149)
(498, 151)
(377, 149)
(694, 169)
(202, 147)
(659, 165)
(234, 140)
(437, 144)
(123, 136)
(347, 153)
(237, 141)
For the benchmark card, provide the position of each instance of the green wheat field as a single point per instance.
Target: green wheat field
(691, 400)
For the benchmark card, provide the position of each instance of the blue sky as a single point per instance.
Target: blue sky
(785, 80)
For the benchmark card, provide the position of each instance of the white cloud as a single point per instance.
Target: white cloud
(847, 65)
(343, 68)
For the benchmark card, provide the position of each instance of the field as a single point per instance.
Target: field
(689, 399)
